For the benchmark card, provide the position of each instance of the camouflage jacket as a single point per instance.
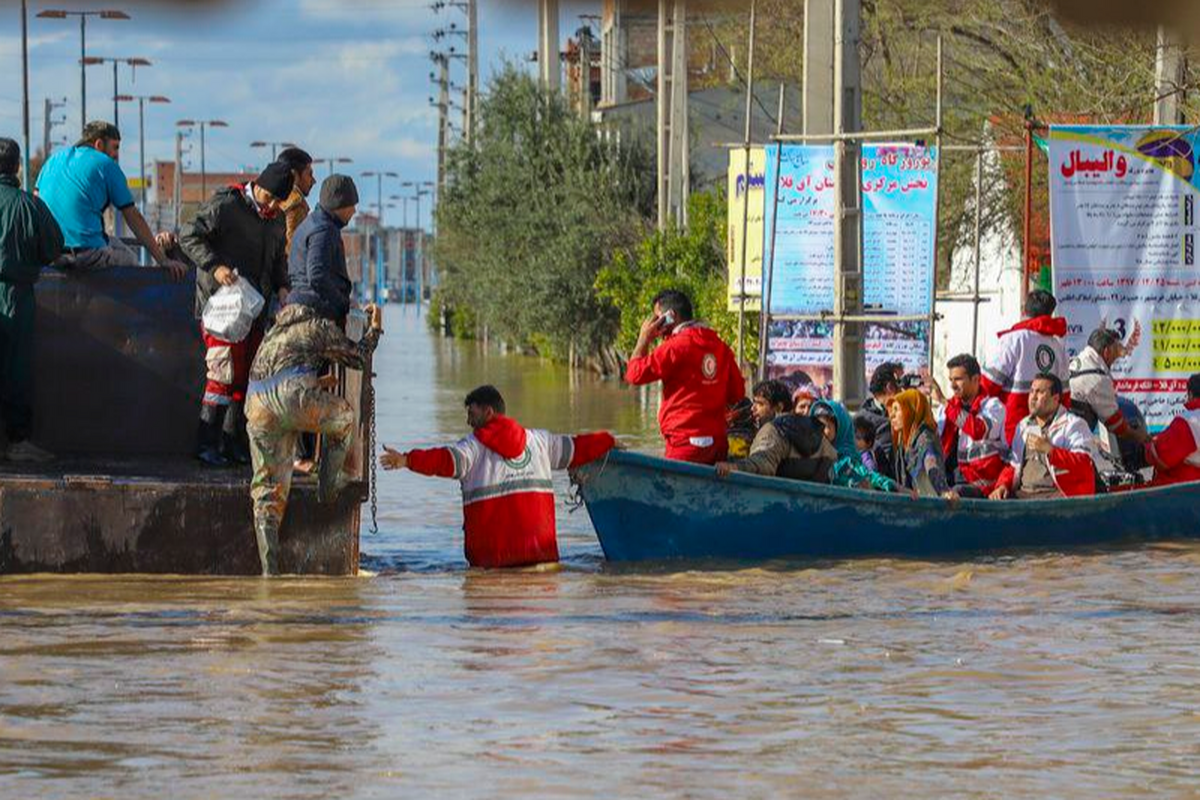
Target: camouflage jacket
(303, 338)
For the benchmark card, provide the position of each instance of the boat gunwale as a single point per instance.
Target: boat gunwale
(840, 494)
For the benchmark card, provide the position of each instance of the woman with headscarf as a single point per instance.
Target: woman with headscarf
(803, 397)
(918, 453)
(848, 470)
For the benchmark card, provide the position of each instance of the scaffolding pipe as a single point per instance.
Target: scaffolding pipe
(741, 339)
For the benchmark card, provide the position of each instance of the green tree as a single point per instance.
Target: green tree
(531, 212)
(692, 261)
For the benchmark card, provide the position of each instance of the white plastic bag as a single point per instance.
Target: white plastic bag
(231, 311)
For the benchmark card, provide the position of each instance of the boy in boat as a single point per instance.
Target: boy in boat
(971, 427)
(504, 470)
(883, 386)
(700, 379)
(786, 445)
(1051, 452)
(1175, 453)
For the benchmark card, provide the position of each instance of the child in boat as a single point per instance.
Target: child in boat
(869, 452)
(848, 470)
(919, 466)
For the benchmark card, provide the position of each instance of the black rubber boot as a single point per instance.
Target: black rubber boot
(235, 446)
(208, 436)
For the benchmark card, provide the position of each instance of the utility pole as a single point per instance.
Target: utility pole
(49, 123)
(614, 53)
(177, 189)
(25, 182)
(549, 67)
(672, 106)
(586, 44)
(832, 104)
(443, 105)
(1169, 77)
(471, 106)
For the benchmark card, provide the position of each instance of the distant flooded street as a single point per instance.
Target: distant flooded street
(1017, 676)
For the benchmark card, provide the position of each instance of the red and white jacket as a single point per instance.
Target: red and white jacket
(1175, 453)
(700, 378)
(1069, 463)
(975, 436)
(508, 497)
(1030, 348)
(1092, 384)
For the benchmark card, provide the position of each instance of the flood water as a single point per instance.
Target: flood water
(1042, 675)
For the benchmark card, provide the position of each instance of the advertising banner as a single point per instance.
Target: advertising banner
(1123, 246)
(899, 184)
(741, 183)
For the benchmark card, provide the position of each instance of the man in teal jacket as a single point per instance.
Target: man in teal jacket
(29, 240)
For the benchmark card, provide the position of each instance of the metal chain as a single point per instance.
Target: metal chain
(374, 465)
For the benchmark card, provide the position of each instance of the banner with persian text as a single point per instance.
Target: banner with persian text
(899, 183)
(745, 187)
(1123, 246)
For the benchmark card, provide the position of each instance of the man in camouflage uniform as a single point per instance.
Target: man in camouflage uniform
(286, 398)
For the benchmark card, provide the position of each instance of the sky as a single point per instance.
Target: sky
(340, 78)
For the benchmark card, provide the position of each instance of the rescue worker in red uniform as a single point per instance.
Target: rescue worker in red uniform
(505, 473)
(1032, 347)
(1175, 453)
(700, 378)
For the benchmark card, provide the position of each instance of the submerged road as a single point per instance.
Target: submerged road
(1043, 675)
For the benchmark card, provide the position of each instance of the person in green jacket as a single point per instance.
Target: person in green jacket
(848, 470)
(29, 240)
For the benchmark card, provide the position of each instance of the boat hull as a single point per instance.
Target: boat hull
(646, 508)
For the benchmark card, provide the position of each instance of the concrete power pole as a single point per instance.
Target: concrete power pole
(470, 107)
(177, 200)
(548, 60)
(672, 106)
(832, 104)
(443, 111)
(1168, 78)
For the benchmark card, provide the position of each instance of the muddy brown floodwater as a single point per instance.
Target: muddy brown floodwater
(1034, 675)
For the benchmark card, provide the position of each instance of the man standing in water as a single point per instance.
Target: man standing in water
(504, 470)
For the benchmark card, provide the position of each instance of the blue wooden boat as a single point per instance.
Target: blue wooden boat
(646, 508)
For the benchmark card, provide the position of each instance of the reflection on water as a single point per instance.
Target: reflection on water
(1036, 675)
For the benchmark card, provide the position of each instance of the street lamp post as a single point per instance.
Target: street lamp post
(420, 189)
(379, 265)
(142, 99)
(133, 62)
(274, 147)
(56, 13)
(332, 161)
(202, 124)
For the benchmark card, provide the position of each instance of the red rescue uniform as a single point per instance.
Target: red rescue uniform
(700, 379)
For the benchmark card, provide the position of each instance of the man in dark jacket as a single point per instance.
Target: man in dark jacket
(317, 262)
(238, 234)
(29, 240)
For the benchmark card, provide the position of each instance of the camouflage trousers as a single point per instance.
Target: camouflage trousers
(275, 418)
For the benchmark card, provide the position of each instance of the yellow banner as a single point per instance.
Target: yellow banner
(738, 198)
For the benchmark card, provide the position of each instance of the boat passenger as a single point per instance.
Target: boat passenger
(79, 184)
(286, 398)
(803, 397)
(700, 378)
(1175, 452)
(1051, 452)
(787, 446)
(864, 440)
(295, 207)
(918, 466)
(884, 385)
(29, 240)
(1094, 393)
(848, 470)
(1032, 347)
(771, 398)
(971, 427)
(741, 428)
(237, 234)
(504, 470)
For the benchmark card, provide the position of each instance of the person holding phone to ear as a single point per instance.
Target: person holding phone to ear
(700, 378)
